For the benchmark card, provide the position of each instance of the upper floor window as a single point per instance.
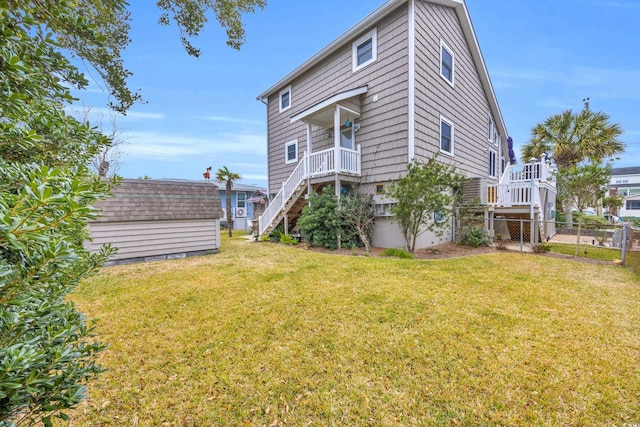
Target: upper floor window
(622, 180)
(365, 50)
(285, 99)
(241, 200)
(490, 130)
(446, 136)
(291, 151)
(493, 163)
(447, 63)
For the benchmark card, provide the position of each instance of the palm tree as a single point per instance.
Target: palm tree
(224, 175)
(572, 138)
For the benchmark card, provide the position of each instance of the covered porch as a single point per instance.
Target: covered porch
(338, 115)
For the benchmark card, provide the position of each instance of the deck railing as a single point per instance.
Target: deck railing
(314, 165)
(520, 185)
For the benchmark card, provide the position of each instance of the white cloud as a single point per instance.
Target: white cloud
(101, 114)
(176, 147)
(235, 120)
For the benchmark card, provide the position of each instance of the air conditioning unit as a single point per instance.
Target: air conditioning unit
(241, 212)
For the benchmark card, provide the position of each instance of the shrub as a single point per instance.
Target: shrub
(322, 225)
(541, 248)
(288, 239)
(474, 236)
(47, 351)
(398, 253)
(500, 242)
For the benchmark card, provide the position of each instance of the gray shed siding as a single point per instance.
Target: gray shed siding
(149, 239)
(383, 133)
(465, 104)
(156, 219)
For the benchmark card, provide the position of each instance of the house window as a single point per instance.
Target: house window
(490, 130)
(291, 151)
(446, 136)
(492, 163)
(503, 165)
(622, 180)
(447, 63)
(365, 50)
(285, 99)
(633, 205)
(241, 200)
(379, 188)
(382, 209)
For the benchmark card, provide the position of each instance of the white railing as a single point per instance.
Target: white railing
(350, 161)
(322, 163)
(317, 164)
(539, 171)
(288, 188)
(509, 195)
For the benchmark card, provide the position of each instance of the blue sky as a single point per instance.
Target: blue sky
(543, 56)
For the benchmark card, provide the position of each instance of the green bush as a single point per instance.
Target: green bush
(474, 236)
(398, 253)
(287, 239)
(322, 225)
(47, 352)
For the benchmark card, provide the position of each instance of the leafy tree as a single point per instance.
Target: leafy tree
(427, 191)
(224, 175)
(47, 352)
(581, 185)
(572, 138)
(357, 211)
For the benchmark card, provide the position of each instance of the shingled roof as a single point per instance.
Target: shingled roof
(157, 200)
(633, 170)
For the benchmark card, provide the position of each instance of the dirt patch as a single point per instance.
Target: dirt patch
(445, 250)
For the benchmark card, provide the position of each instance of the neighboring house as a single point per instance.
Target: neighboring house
(149, 220)
(625, 182)
(242, 208)
(406, 82)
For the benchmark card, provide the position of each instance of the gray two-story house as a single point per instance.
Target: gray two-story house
(406, 82)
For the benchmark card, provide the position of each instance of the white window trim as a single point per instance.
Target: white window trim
(286, 152)
(245, 199)
(282, 92)
(493, 159)
(373, 35)
(450, 123)
(490, 130)
(443, 45)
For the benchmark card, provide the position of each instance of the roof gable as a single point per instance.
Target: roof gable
(376, 16)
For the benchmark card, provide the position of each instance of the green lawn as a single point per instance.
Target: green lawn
(601, 253)
(264, 334)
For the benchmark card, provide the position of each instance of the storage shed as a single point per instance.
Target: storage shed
(150, 220)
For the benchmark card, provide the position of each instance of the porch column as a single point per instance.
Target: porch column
(336, 152)
(308, 155)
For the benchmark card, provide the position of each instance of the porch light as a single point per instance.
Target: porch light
(356, 127)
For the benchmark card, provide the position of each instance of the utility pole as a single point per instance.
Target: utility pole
(586, 103)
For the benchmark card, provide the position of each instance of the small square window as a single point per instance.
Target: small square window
(447, 63)
(291, 151)
(446, 136)
(633, 205)
(379, 188)
(365, 50)
(284, 102)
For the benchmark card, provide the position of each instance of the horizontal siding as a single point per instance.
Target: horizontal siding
(465, 104)
(383, 123)
(152, 238)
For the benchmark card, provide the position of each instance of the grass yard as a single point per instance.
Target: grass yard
(601, 253)
(264, 334)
